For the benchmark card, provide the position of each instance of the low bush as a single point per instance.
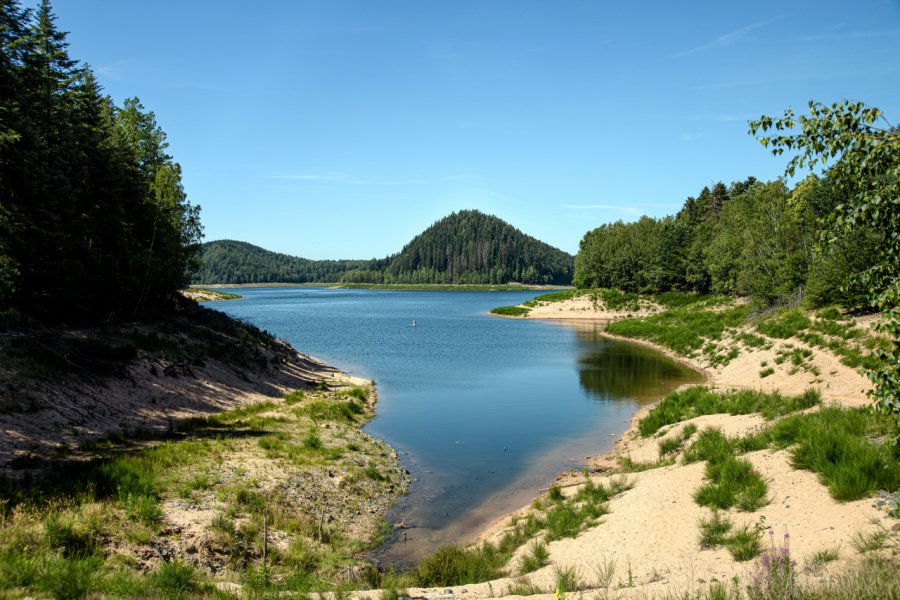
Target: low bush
(510, 311)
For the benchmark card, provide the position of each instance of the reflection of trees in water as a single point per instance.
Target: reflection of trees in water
(619, 371)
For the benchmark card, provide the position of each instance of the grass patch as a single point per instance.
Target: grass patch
(732, 482)
(832, 313)
(684, 330)
(605, 572)
(460, 566)
(617, 299)
(698, 400)
(750, 340)
(784, 324)
(849, 449)
(766, 372)
(510, 311)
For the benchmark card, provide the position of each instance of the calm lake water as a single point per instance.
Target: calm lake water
(484, 411)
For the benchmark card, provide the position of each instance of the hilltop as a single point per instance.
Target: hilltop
(466, 247)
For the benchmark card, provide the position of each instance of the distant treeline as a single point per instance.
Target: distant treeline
(230, 261)
(750, 238)
(93, 217)
(467, 247)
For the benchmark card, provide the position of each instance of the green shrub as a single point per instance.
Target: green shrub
(785, 324)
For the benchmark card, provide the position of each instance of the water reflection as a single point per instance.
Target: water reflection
(618, 375)
(615, 371)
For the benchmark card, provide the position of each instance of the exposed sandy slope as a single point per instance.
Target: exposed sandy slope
(583, 307)
(651, 533)
(44, 418)
(202, 295)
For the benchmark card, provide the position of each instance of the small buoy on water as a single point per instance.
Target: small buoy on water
(414, 322)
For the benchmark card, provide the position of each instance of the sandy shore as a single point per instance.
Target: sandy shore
(650, 537)
(41, 418)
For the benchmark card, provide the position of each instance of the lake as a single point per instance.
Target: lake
(483, 411)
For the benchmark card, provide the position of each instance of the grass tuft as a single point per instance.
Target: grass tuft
(714, 530)
(745, 543)
(536, 557)
(698, 400)
(567, 579)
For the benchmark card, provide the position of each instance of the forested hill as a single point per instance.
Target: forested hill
(230, 261)
(472, 247)
(465, 247)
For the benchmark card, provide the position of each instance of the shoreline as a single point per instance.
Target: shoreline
(663, 552)
(602, 461)
(442, 287)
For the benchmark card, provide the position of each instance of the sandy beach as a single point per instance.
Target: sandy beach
(647, 546)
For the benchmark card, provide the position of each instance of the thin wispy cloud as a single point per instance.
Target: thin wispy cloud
(853, 35)
(348, 180)
(726, 39)
(627, 209)
(111, 71)
(725, 118)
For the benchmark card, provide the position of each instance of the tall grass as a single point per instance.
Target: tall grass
(459, 566)
(732, 482)
(684, 330)
(849, 449)
(699, 400)
(671, 445)
(784, 324)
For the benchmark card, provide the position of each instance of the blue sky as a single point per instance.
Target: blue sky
(340, 129)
